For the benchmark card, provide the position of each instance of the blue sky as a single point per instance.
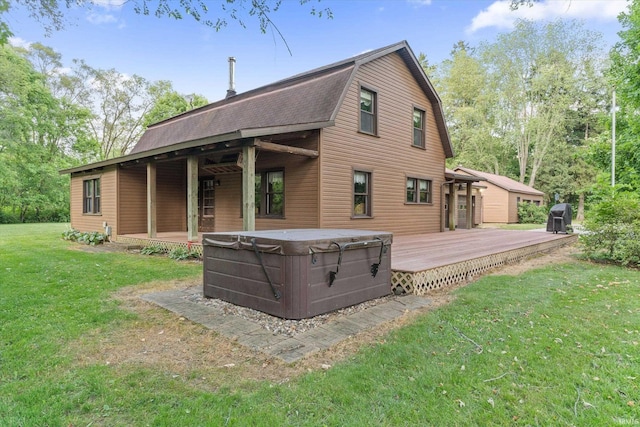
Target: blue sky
(194, 57)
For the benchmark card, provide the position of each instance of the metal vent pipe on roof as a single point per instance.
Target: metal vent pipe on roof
(232, 77)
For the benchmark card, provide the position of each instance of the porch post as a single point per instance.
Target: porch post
(453, 206)
(249, 188)
(469, 206)
(151, 200)
(192, 198)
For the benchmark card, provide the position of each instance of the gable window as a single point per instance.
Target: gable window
(361, 194)
(419, 190)
(368, 112)
(270, 193)
(418, 128)
(91, 196)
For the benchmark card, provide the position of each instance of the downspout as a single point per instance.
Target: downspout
(442, 203)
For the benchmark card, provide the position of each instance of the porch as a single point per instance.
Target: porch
(425, 262)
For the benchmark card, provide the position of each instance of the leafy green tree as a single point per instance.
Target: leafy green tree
(51, 13)
(536, 72)
(118, 103)
(34, 129)
(623, 74)
(168, 103)
(464, 86)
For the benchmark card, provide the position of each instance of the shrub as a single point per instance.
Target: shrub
(152, 250)
(613, 229)
(529, 213)
(90, 238)
(180, 254)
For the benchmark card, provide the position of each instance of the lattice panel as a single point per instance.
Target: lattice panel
(421, 282)
(167, 246)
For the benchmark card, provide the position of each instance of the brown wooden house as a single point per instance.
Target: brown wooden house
(360, 144)
(501, 196)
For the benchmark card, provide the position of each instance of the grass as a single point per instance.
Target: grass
(554, 346)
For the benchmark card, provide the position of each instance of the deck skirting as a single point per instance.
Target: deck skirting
(420, 282)
(167, 246)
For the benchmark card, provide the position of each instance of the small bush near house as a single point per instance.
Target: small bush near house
(528, 213)
(613, 229)
(181, 254)
(152, 250)
(90, 238)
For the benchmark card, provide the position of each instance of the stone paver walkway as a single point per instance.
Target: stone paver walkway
(288, 349)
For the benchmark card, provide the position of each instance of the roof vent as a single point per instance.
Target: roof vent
(232, 78)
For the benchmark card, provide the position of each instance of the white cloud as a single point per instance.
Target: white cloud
(97, 19)
(109, 4)
(499, 15)
(420, 2)
(19, 42)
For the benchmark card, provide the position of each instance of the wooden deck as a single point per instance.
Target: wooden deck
(423, 262)
(420, 263)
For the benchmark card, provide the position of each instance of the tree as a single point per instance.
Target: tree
(35, 128)
(623, 75)
(51, 13)
(464, 87)
(536, 72)
(168, 103)
(118, 102)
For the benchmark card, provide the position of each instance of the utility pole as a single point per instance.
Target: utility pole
(613, 141)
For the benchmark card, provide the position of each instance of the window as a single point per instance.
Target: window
(91, 196)
(418, 128)
(368, 112)
(418, 190)
(361, 193)
(207, 197)
(270, 193)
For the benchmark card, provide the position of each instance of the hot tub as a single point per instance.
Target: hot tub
(297, 273)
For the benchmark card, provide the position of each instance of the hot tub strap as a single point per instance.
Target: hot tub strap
(276, 294)
(374, 267)
(332, 274)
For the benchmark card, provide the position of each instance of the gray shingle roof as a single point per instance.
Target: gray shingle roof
(306, 101)
(502, 182)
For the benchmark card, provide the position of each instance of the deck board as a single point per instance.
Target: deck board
(426, 251)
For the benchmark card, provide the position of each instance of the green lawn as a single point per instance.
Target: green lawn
(554, 346)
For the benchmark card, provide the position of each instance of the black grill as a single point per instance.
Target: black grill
(559, 218)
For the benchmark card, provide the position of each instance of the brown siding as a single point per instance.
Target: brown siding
(496, 204)
(477, 211)
(171, 196)
(300, 186)
(108, 197)
(389, 157)
(513, 203)
(228, 202)
(132, 209)
(301, 191)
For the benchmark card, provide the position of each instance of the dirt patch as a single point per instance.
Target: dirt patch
(163, 342)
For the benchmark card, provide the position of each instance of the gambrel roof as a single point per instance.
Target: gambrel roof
(306, 101)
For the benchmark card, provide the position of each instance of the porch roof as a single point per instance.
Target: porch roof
(501, 181)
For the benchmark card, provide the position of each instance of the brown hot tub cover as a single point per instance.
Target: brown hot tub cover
(297, 273)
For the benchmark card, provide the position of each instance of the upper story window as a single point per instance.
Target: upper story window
(418, 128)
(270, 193)
(361, 194)
(368, 112)
(419, 190)
(91, 196)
